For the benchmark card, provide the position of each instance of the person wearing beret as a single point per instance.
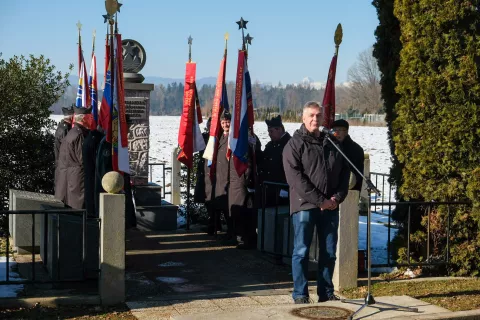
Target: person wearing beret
(272, 165)
(69, 174)
(352, 150)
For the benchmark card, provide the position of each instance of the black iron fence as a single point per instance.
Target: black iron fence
(164, 170)
(45, 214)
(281, 235)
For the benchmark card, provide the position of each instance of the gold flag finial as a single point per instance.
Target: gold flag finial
(338, 35)
(111, 6)
(79, 26)
(226, 36)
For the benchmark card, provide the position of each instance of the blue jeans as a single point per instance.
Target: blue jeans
(304, 222)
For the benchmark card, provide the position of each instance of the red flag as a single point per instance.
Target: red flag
(185, 132)
(328, 103)
(105, 113)
(215, 127)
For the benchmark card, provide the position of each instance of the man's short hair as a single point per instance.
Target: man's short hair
(312, 104)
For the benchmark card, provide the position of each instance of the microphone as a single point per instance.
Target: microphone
(330, 132)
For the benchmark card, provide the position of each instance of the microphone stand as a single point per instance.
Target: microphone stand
(369, 300)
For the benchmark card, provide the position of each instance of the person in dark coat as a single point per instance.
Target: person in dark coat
(69, 177)
(241, 196)
(222, 177)
(318, 177)
(90, 150)
(352, 150)
(272, 165)
(63, 127)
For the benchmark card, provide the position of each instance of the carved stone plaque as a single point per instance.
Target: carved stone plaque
(136, 108)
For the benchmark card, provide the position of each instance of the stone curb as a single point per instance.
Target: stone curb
(458, 315)
(49, 301)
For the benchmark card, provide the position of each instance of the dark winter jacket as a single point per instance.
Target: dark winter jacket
(69, 175)
(272, 169)
(222, 173)
(355, 153)
(315, 171)
(60, 133)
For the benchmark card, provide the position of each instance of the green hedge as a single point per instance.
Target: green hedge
(437, 129)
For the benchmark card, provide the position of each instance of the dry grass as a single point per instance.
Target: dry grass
(454, 295)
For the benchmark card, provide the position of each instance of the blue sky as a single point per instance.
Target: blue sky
(292, 39)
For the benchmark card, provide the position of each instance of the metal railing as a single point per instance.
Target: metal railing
(374, 205)
(164, 169)
(426, 208)
(45, 213)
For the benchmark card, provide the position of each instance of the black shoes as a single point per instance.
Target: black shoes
(330, 298)
(304, 300)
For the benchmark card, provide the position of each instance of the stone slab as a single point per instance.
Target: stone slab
(21, 225)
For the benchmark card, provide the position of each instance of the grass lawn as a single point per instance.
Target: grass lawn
(454, 294)
(69, 312)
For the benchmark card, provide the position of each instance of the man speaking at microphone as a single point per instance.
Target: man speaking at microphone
(318, 177)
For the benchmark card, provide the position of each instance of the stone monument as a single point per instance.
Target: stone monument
(137, 101)
(152, 212)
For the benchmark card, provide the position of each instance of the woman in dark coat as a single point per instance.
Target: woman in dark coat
(241, 198)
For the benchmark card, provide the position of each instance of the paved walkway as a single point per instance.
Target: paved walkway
(190, 275)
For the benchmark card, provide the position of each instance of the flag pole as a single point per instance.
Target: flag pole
(79, 27)
(190, 40)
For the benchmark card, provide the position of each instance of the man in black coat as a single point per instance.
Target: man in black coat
(352, 150)
(63, 127)
(69, 174)
(272, 165)
(318, 177)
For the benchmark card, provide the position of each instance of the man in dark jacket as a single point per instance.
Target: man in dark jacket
(352, 150)
(222, 176)
(318, 177)
(272, 165)
(63, 127)
(69, 175)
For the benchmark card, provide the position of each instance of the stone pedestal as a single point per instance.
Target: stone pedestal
(175, 183)
(112, 249)
(137, 101)
(20, 225)
(346, 266)
(364, 196)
